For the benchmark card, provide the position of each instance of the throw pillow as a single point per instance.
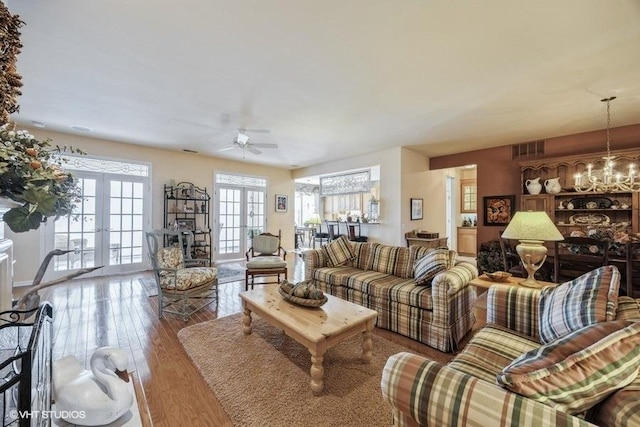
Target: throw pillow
(427, 267)
(588, 299)
(579, 370)
(339, 251)
(170, 257)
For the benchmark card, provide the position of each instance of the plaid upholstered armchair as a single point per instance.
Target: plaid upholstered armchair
(561, 356)
(181, 290)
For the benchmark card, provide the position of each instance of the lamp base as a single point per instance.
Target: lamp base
(533, 254)
(530, 283)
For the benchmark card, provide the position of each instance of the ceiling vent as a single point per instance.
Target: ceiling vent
(527, 150)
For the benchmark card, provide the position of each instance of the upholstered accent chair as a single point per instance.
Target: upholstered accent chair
(265, 258)
(182, 290)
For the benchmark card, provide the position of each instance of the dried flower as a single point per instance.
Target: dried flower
(33, 176)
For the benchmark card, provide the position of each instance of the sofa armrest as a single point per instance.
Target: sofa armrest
(455, 278)
(313, 259)
(424, 392)
(514, 307)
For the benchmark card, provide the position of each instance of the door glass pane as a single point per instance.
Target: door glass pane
(76, 232)
(125, 236)
(229, 221)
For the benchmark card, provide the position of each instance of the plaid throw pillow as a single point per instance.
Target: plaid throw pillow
(575, 372)
(339, 251)
(427, 267)
(588, 299)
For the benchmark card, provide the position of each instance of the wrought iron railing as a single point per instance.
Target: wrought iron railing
(25, 366)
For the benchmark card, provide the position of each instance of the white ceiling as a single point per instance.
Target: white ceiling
(329, 78)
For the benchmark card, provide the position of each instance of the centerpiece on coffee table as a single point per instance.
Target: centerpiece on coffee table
(304, 293)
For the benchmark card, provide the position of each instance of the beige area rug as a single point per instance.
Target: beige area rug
(263, 379)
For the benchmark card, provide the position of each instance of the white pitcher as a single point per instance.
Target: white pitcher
(552, 186)
(533, 185)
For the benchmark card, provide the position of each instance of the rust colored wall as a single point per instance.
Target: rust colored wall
(498, 174)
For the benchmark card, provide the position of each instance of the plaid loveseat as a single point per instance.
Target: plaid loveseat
(380, 277)
(464, 392)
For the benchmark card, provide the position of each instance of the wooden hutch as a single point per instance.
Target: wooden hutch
(571, 210)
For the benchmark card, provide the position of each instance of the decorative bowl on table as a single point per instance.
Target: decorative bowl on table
(304, 293)
(498, 276)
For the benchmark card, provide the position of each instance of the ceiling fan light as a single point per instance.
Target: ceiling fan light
(242, 138)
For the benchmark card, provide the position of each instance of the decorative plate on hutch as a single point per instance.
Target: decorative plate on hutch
(589, 219)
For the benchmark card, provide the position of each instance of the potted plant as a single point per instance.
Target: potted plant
(31, 174)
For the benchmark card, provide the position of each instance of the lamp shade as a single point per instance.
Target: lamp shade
(532, 225)
(315, 219)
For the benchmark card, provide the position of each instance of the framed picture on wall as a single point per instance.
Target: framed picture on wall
(416, 209)
(498, 210)
(281, 203)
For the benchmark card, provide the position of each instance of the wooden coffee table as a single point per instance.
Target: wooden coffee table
(315, 328)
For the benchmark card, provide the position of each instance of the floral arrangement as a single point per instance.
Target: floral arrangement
(31, 174)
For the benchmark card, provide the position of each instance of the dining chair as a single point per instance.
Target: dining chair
(632, 268)
(333, 228)
(319, 236)
(575, 256)
(354, 232)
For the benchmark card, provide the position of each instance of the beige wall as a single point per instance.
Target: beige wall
(166, 165)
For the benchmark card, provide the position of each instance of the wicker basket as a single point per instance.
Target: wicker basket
(306, 302)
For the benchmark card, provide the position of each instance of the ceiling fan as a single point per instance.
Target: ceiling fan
(241, 141)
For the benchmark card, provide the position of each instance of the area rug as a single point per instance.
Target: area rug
(263, 379)
(230, 271)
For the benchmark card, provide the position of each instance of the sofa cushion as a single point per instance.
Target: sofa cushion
(490, 350)
(363, 255)
(579, 370)
(339, 251)
(335, 275)
(620, 409)
(391, 288)
(588, 299)
(427, 267)
(392, 260)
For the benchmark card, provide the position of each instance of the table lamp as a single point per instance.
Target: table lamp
(532, 229)
(315, 219)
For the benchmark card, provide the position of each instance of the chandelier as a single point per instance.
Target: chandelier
(607, 179)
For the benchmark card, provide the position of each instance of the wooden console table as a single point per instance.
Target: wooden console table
(413, 239)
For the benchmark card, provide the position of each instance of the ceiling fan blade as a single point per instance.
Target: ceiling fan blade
(243, 130)
(228, 148)
(264, 144)
(250, 149)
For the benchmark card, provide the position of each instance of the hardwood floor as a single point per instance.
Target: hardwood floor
(116, 311)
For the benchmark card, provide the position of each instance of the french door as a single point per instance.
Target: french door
(105, 229)
(240, 212)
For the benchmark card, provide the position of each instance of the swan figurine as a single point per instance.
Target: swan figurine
(101, 394)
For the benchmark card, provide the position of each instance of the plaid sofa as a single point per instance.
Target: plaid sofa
(464, 392)
(380, 277)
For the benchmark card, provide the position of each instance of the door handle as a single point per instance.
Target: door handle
(97, 230)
